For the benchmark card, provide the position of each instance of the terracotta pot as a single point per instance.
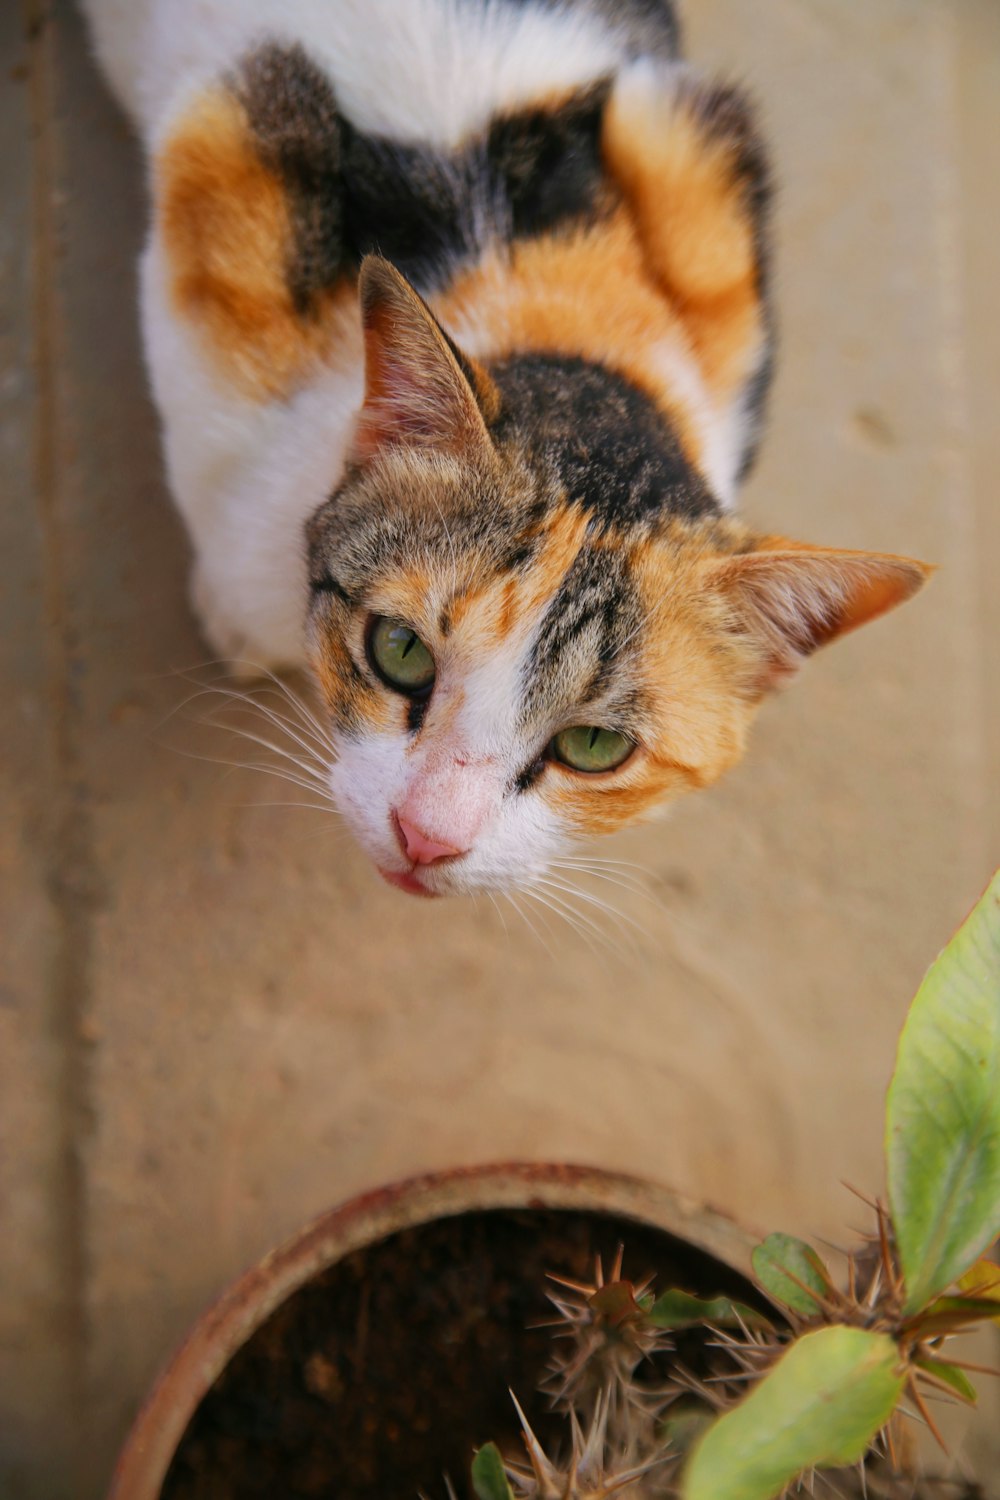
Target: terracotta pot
(227, 1325)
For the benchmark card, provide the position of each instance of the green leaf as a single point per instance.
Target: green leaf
(943, 1111)
(819, 1406)
(675, 1309)
(489, 1477)
(949, 1375)
(790, 1271)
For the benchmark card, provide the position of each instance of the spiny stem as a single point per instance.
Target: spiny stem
(921, 1406)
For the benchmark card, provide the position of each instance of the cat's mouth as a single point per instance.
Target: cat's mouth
(406, 880)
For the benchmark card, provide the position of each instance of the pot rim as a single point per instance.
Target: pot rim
(228, 1322)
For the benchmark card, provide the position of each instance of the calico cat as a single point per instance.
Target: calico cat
(457, 315)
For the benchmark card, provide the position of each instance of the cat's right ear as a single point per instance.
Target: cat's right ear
(787, 599)
(420, 390)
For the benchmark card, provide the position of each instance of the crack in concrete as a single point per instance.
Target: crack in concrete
(69, 857)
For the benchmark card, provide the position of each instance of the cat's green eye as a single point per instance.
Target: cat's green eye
(399, 656)
(586, 747)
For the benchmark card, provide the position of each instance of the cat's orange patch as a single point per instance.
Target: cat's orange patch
(586, 293)
(694, 225)
(507, 611)
(461, 606)
(227, 234)
(562, 539)
(593, 809)
(344, 691)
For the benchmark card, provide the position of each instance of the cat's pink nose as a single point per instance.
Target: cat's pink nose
(418, 847)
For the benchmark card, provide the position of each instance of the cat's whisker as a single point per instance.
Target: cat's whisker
(309, 774)
(496, 907)
(311, 768)
(625, 882)
(329, 809)
(631, 892)
(577, 853)
(583, 926)
(560, 898)
(529, 923)
(302, 708)
(626, 940)
(565, 916)
(278, 721)
(248, 691)
(264, 767)
(331, 832)
(582, 856)
(618, 916)
(632, 886)
(254, 704)
(306, 729)
(642, 625)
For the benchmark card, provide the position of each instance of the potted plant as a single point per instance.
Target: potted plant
(371, 1355)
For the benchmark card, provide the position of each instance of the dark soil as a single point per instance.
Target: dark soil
(387, 1371)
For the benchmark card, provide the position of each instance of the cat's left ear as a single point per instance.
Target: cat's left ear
(420, 390)
(788, 599)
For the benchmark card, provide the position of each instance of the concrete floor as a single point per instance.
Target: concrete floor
(214, 1022)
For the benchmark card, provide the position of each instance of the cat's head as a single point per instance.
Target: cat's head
(508, 669)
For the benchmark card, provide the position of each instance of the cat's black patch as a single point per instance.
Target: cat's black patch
(293, 114)
(351, 193)
(423, 209)
(521, 555)
(755, 398)
(611, 447)
(416, 712)
(327, 584)
(548, 162)
(526, 779)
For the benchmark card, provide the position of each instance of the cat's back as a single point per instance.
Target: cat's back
(414, 71)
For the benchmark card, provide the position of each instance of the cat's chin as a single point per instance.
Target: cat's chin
(406, 881)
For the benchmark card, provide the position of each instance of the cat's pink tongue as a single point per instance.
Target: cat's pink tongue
(406, 882)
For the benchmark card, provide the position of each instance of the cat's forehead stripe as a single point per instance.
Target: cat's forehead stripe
(582, 632)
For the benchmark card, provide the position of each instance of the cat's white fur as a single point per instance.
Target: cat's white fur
(246, 477)
(421, 70)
